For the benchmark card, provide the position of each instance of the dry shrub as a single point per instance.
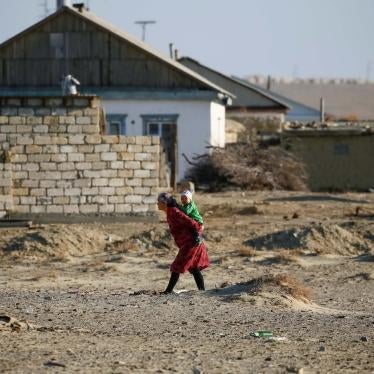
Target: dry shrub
(242, 166)
(247, 252)
(289, 285)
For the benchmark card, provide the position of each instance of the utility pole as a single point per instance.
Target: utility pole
(143, 24)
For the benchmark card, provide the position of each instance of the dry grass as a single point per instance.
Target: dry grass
(247, 251)
(288, 285)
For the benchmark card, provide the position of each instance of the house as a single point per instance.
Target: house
(297, 111)
(337, 157)
(142, 91)
(249, 102)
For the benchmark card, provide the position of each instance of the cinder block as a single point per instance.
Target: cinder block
(90, 191)
(38, 157)
(28, 200)
(65, 166)
(94, 139)
(7, 111)
(143, 140)
(108, 156)
(81, 102)
(92, 157)
(66, 120)
(85, 182)
(51, 148)
(118, 148)
(84, 120)
(17, 120)
(100, 182)
(150, 199)
(116, 182)
(55, 192)
(135, 148)
(88, 208)
(83, 165)
(40, 129)
(58, 111)
(76, 157)
(123, 191)
(122, 208)
(126, 156)
(31, 166)
(32, 149)
(34, 121)
(69, 174)
(42, 139)
(76, 139)
(142, 173)
(60, 157)
(116, 199)
(72, 191)
(140, 208)
(149, 165)
(37, 209)
(107, 208)
(55, 209)
(4, 120)
(61, 200)
(110, 139)
(74, 129)
(54, 102)
(102, 148)
(51, 120)
(99, 165)
(133, 199)
(132, 165)
(25, 112)
(106, 191)
(126, 173)
(48, 166)
(68, 149)
(91, 129)
(116, 165)
(34, 101)
(142, 191)
(144, 156)
(151, 149)
(134, 182)
(152, 182)
(71, 209)
(23, 129)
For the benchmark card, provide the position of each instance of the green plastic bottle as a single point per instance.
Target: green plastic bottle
(262, 333)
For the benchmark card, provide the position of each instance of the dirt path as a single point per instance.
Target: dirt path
(73, 292)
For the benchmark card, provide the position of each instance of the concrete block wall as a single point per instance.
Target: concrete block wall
(61, 164)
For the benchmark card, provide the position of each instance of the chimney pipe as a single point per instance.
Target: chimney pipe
(268, 83)
(61, 3)
(176, 55)
(322, 110)
(171, 50)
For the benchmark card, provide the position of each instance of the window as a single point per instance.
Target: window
(116, 124)
(341, 149)
(57, 45)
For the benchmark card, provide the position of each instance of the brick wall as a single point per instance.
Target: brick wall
(56, 161)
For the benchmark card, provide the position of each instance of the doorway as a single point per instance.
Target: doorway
(165, 126)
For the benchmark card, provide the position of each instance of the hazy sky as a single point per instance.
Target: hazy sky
(302, 38)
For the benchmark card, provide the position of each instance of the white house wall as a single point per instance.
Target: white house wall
(200, 123)
(217, 113)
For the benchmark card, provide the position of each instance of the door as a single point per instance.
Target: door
(167, 131)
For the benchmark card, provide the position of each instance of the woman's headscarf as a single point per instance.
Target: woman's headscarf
(167, 198)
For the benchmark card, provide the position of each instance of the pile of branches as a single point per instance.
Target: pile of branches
(240, 165)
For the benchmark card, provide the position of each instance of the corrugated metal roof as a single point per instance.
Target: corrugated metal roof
(246, 95)
(128, 38)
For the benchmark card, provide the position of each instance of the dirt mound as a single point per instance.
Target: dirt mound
(272, 290)
(317, 239)
(150, 240)
(53, 242)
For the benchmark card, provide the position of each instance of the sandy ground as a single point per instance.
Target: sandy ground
(84, 297)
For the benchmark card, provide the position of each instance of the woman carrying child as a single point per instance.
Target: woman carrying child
(192, 255)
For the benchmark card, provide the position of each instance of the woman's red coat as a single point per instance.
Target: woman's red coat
(190, 255)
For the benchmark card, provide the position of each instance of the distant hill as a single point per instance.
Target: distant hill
(344, 99)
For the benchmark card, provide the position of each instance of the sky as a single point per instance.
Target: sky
(281, 38)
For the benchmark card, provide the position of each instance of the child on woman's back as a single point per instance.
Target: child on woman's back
(190, 209)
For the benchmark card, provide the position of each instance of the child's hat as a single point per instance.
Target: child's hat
(187, 193)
